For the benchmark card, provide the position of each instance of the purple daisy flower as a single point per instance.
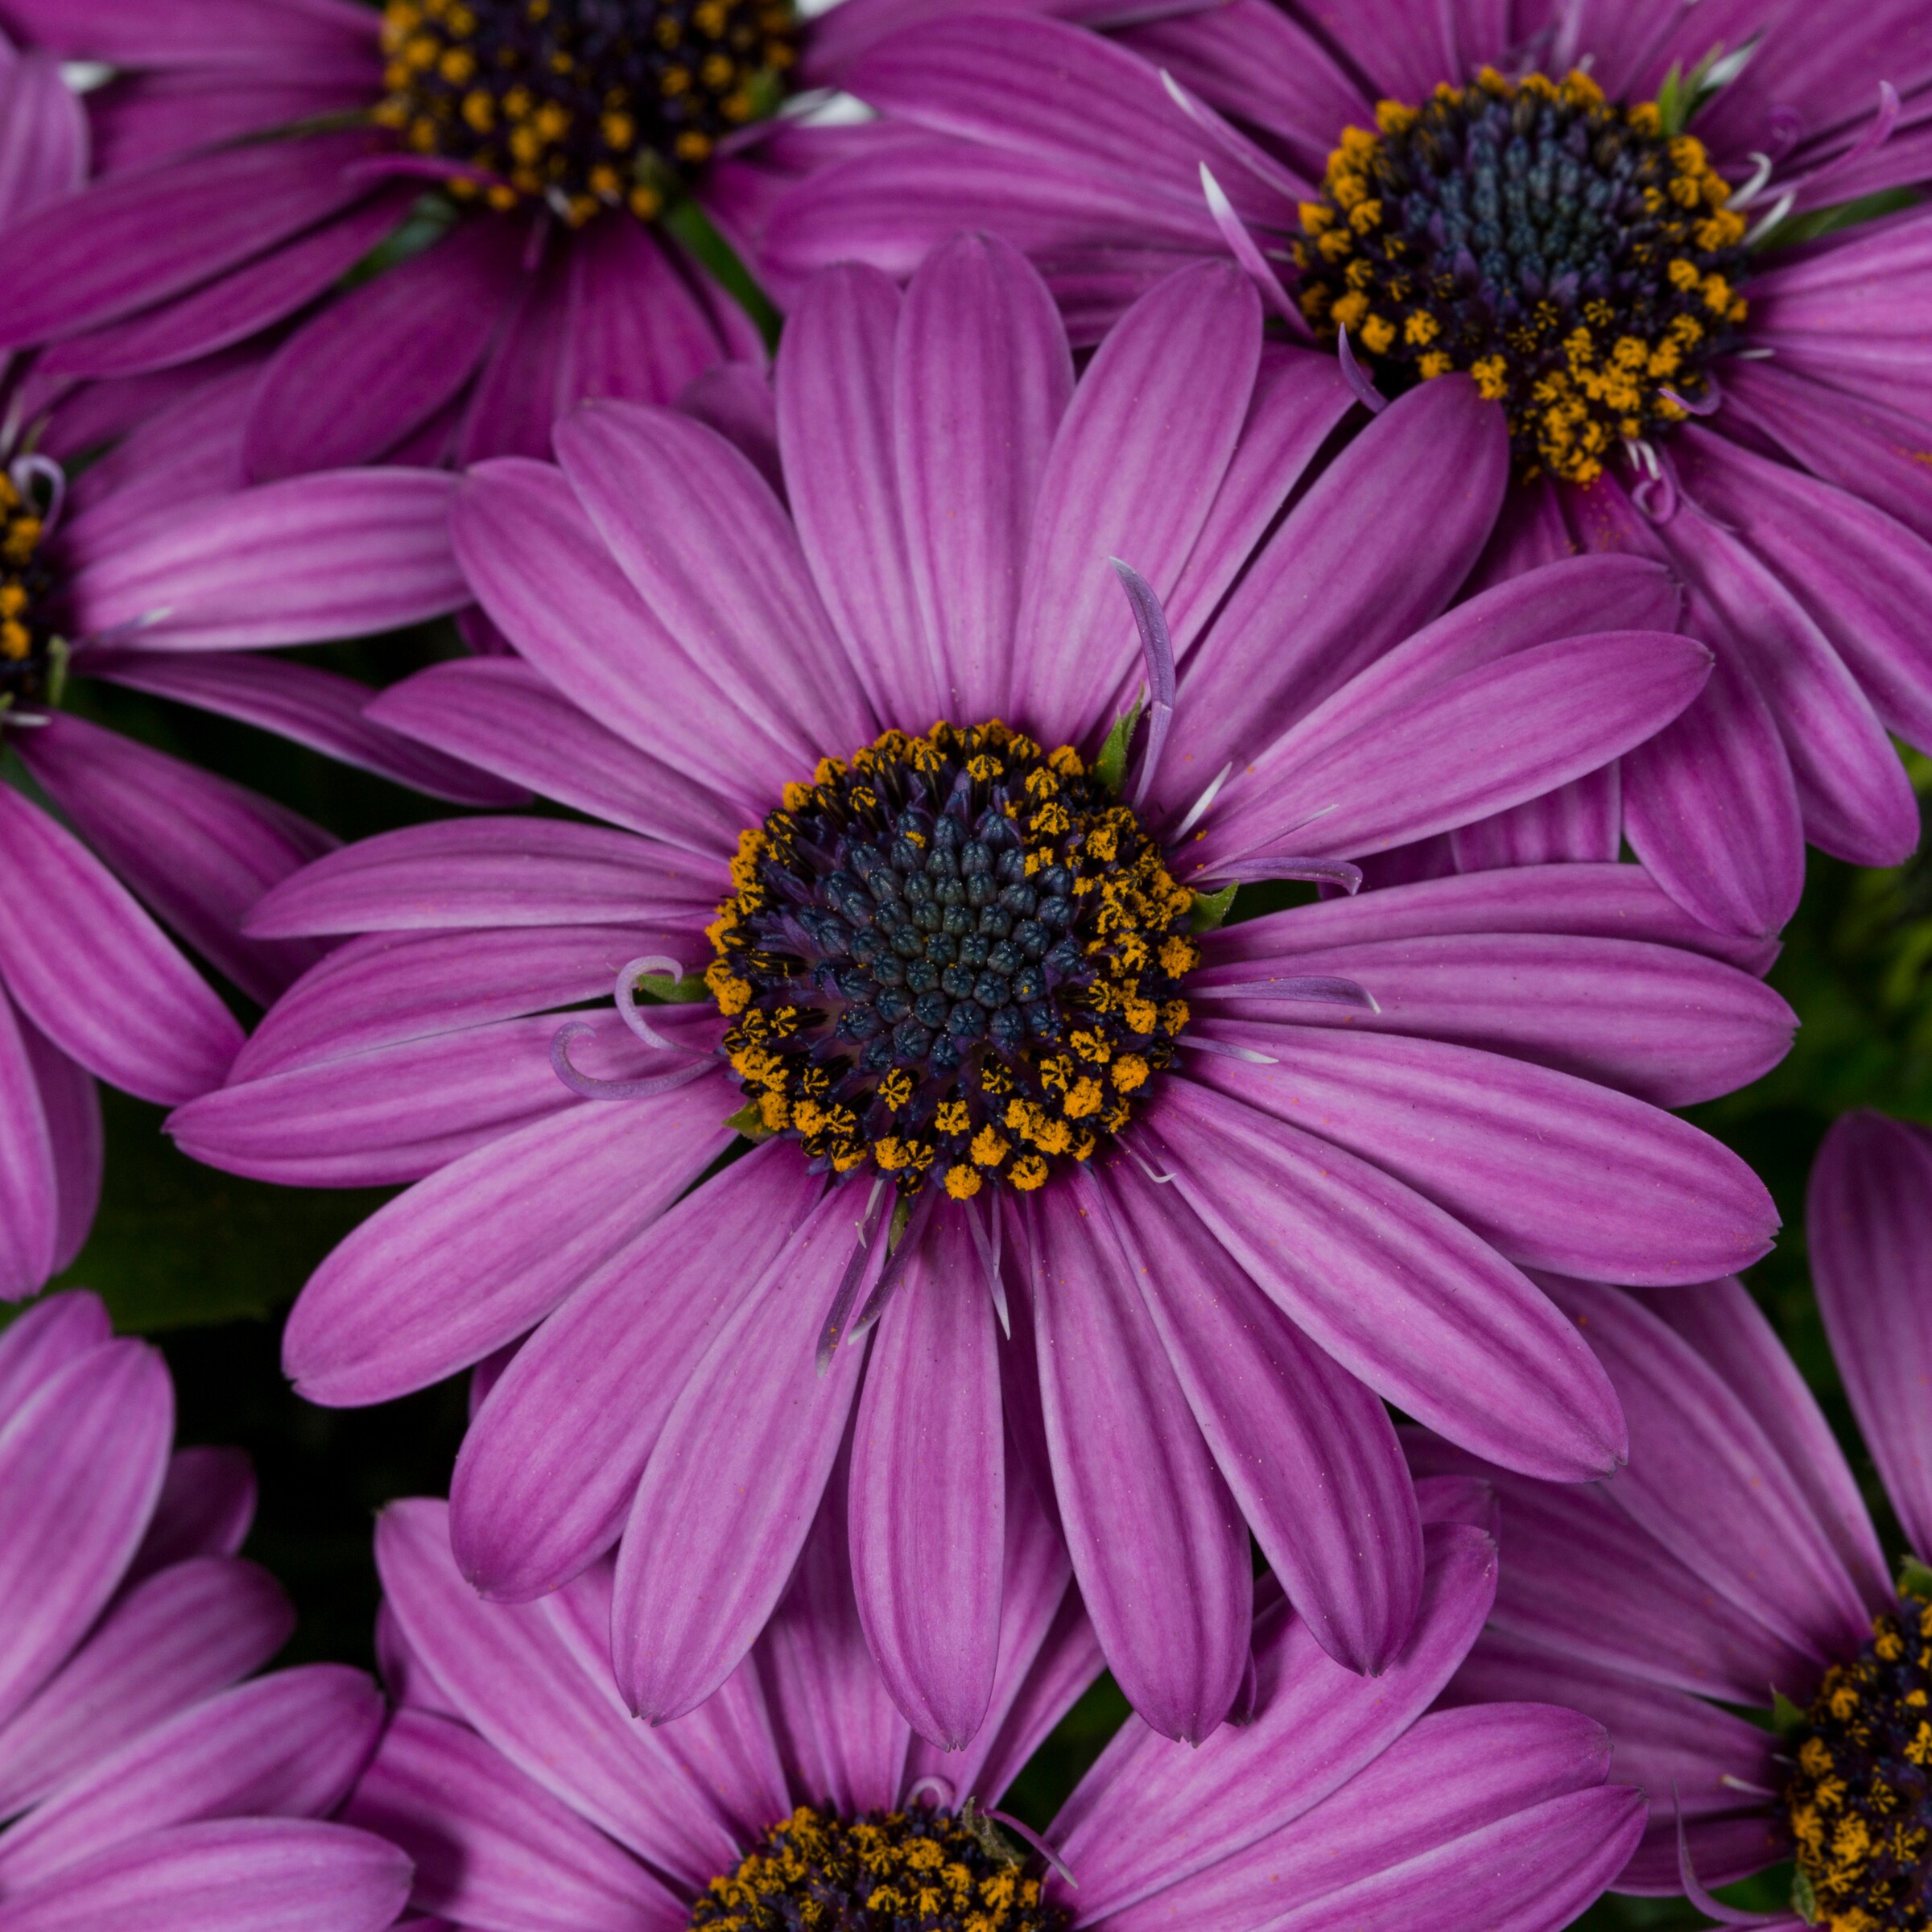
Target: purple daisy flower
(1223, 1191)
(144, 1781)
(1733, 1563)
(509, 162)
(156, 569)
(526, 1797)
(1563, 199)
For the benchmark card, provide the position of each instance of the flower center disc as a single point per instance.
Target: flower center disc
(1562, 251)
(26, 653)
(924, 1870)
(956, 954)
(1860, 1803)
(587, 104)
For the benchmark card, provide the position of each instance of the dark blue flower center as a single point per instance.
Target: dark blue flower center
(1860, 1801)
(920, 1870)
(1579, 264)
(584, 104)
(28, 670)
(955, 955)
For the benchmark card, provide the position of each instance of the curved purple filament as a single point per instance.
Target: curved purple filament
(895, 1265)
(592, 1089)
(1694, 1890)
(1321, 987)
(1366, 393)
(1008, 1822)
(1876, 133)
(1157, 649)
(24, 469)
(1241, 246)
(861, 1256)
(658, 965)
(989, 1260)
(1258, 866)
(1227, 1049)
(1707, 405)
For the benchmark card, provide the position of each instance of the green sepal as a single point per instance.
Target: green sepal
(1211, 909)
(1814, 222)
(1914, 1578)
(1804, 1900)
(989, 1836)
(901, 1213)
(749, 1121)
(1683, 94)
(1110, 767)
(1787, 1719)
(668, 992)
(58, 652)
(1674, 100)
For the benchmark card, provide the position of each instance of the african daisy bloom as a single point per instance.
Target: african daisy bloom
(1219, 1191)
(157, 569)
(1565, 201)
(527, 1798)
(509, 163)
(144, 1781)
(1733, 1563)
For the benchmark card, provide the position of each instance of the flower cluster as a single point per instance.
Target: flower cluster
(1408, 519)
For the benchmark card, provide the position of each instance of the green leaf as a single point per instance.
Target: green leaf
(178, 1245)
(662, 988)
(1804, 1900)
(1914, 1578)
(1787, 1719)
(1110, 767)
(1211, 909)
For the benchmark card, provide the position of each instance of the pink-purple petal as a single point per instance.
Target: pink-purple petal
(548, 1471)
(729, 1495)
(981, 377)
(927, 1512)
(463, 1263)
(339, 555)
(1866, 1217)
(81, 1462)
(1401, 1294)
(72, 940)
(1307, 1451)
